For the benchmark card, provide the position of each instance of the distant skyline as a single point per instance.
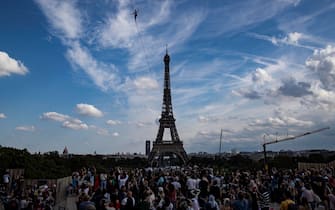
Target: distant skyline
(85, 75)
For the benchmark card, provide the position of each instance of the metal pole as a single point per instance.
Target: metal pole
(220, 143)
(265, 159)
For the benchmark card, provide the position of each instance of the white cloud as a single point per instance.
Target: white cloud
(67, 121)
(26, 128)
(143, 124)
(261, 76)
(248, 93)
(113, 122)
(55, 116)
(145, 83)
(64, 17)
(88, 110)
(121, 32)
(67, 20)
(102, 132)
(254, 12)
(10, 66)
(103, 75)
(119, 29)
(322, 99)
(279, 79)
(75, 124)
(207, 119)
(293, 38)
(3, 116)
(323, 63)
(116, 134)
(281, 121)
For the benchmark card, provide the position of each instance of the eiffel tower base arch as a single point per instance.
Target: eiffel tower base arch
(167, 154)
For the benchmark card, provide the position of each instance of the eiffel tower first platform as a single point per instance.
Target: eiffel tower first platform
(167, 152)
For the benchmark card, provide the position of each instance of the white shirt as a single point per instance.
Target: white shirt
(124, 201)
(191, 184)
(195, 204)
(6, 178)
(308, 194)
(122, 182)
(176, 185)
(103, 177)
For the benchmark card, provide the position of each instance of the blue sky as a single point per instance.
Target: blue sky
(83, 74)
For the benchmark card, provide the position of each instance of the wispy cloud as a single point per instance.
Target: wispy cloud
(3, 116)
(103, 132)
(292, 38)
(26, 128)
(10, 66)
(113, 122)
(55, 116)
(121, 32)
(254, 12)
(305, 21)
(282, 121)
(103, 75)
(145, 83)
(64, 17)
(75, 124)
(67, 121)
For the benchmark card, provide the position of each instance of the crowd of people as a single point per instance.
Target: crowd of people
(196, 188)
(15, 195)
(189, 188)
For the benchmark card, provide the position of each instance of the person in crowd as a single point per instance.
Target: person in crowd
(264, 197)
(194, 200)
(211, 203)
(86, 203)
(6, 179)
(331, 198)
(128, 203)
(166, 204)
(240, 203)
(287, 202)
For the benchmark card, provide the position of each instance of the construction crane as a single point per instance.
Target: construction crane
(287, 139)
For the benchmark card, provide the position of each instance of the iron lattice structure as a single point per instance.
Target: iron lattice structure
(167, 148)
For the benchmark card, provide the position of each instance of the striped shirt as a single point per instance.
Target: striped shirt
(264, 199)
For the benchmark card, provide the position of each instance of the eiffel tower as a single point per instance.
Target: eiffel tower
(167, 152)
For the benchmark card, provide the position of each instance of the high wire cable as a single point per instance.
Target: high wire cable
(135, 13)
